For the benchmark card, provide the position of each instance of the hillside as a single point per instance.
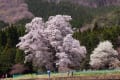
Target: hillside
(80, 14)
(92, 3)
(12, 11)
(108, 20)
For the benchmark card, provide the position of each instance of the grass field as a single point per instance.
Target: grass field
(76, 74)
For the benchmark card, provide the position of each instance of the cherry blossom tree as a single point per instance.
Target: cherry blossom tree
(50, 43)
(104, 56)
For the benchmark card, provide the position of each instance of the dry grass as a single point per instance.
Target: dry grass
(100, 77)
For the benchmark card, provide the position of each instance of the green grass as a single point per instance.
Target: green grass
(26, 76)
(97, 72)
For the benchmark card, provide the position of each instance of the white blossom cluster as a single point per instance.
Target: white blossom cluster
(11, 11)
(103, 56)
(51, 42)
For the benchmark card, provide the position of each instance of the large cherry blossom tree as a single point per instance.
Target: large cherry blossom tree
(50, 44)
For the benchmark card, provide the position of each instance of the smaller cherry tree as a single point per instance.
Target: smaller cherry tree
(104, 56)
